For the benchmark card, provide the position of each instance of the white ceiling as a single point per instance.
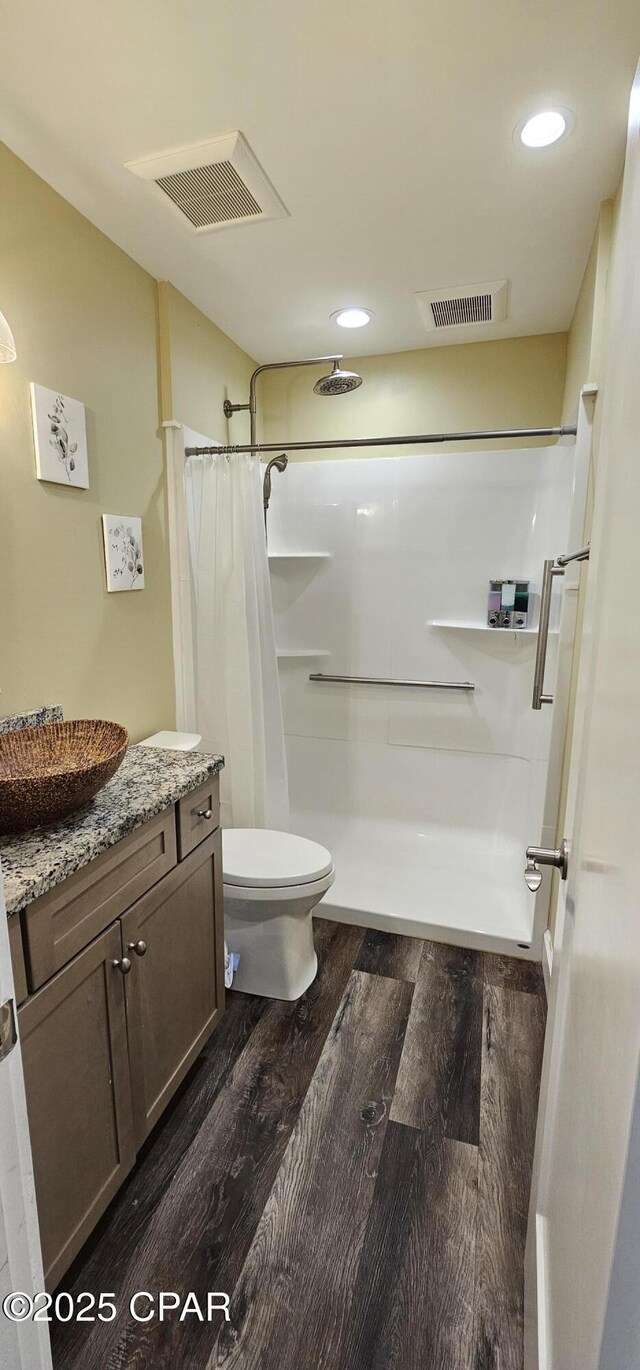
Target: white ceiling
(384, 125)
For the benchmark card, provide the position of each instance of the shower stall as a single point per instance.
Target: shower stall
(413, 751)
(412, 748)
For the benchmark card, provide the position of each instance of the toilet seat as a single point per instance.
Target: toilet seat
(275, 894)
(262, 859)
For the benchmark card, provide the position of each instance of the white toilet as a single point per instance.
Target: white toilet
(272, 882)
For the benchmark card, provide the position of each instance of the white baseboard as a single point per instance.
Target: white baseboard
(547, 959)
(541, 1270)
(536, 1346)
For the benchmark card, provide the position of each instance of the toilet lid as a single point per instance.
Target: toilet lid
(262, 858)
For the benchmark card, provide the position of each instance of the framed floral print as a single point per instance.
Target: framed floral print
(123, 555)
(60, 437)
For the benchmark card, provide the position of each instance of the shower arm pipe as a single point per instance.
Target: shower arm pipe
(400, 440)
(230, 408)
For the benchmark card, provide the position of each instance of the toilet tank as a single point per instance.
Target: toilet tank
(180, 742)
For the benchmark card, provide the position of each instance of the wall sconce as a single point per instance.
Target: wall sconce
(7, 345)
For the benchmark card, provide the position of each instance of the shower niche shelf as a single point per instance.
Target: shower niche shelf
(469, 626)
(299, 556)
(285, 652)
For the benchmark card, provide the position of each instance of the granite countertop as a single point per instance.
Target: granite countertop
(149, 780)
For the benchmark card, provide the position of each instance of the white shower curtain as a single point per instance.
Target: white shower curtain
(238, 708)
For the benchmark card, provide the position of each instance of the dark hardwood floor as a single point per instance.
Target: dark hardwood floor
(352, 1170)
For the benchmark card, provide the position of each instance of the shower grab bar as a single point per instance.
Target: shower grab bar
(582, 555)
(539, 697)
(551, 570)
(382, 680)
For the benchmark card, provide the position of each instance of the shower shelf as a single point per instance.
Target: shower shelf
(285, 652)
(299, 556)
(482, 627)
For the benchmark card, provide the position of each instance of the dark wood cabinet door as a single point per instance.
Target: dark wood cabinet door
(175, 990)
(74, 1050)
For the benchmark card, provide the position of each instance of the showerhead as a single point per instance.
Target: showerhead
(280, 464)
(338, 383)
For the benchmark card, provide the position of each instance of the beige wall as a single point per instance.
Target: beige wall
(84, 319)
(201, 368)
(511, 383)
(586, 346)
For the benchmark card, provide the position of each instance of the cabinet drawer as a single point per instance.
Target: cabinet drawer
(60, 923)
(17, 958)
(193, 825)
(76, 1074)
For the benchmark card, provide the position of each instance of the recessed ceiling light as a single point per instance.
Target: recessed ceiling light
(540, 130)
(352, 317)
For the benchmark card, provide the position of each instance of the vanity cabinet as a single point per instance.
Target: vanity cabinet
(107, 1039)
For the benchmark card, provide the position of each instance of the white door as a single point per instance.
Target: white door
(586, 1142)
(24, 1345)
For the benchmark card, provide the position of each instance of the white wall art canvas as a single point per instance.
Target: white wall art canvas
(123, 555)
(60, 437)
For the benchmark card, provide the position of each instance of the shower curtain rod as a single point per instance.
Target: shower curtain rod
(402, 440)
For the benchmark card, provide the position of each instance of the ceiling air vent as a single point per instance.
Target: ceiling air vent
(464, 305)
(212, 185)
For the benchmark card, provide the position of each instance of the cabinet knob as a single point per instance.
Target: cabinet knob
(139, 947)
(205, 813)
(124, 965)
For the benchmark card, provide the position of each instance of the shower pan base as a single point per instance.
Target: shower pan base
(431, 881)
